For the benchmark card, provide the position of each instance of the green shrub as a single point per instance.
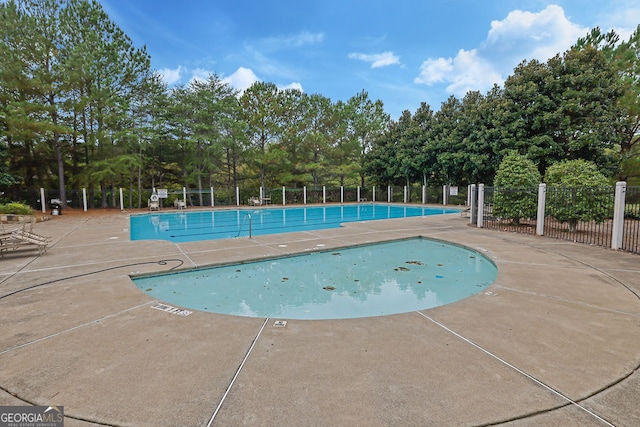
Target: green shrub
(15, 208)
(515, 194)
(582, 192)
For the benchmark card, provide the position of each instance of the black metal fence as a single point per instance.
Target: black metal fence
(581, 215)
(577, 214)
(631, 234)
(519, 215)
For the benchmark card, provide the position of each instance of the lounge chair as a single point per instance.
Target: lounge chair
(21, 238)
(7, 229)
(180, 204)
(257, 201)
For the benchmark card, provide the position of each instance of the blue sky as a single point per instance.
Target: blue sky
(401, 52)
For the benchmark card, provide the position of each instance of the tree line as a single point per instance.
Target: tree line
(81, 107)
(583, 104)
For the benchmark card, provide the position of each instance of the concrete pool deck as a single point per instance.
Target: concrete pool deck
(554, 341)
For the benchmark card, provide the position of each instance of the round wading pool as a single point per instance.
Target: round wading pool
(360, 281)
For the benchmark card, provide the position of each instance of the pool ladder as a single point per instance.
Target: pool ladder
(242, 223)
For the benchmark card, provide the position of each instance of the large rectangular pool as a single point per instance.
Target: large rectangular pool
(189, 226)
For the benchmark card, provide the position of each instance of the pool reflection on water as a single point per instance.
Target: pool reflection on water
(233, 223)
(362, 281)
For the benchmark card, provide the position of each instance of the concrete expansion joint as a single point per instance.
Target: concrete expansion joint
(583, 263)
(195, 265)
(74, 328)
(566, 300)
(89, 273)
(237, 373)
(520, 371)
(66, 415)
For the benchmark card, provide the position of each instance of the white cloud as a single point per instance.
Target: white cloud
(377, 60)
(528, 35)
(293, 85)
(435, 71)
(199, 74)
(171, 76)
(521, 35)
(303, 38)
(241, 79)
(467, 71)
(177, 75)
(623, 21)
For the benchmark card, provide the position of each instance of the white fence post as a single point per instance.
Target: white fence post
(184, 196)
(424, 194)
(388, 194)
(444, 194)
(84, 199)
(542, 199)
(469, 195)
(472, 203)
(618, 215)
(358, 193)
(237, 196)
(43, 202)
(480, 205)
(341, 194)
(213, 203)
(284, 202)
(304, 194)
(405, 194)
(373, 197)
(121, 200)
(324, 194)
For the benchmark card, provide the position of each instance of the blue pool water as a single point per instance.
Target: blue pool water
(363, 281)
(225, 224)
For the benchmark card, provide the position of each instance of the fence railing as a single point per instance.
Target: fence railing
(603, 216)
(631, 222)
(124, 198)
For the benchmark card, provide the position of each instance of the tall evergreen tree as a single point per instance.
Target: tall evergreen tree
(366, 122)
(624, 59)
(68, 81)
(262, 111)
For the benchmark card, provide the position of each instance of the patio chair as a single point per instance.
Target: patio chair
(180, 204)
(22, 238)
(254, 201)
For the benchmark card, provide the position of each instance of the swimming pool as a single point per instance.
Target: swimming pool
(224, 224)
(361, 281)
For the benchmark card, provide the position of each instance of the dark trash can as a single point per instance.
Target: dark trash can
(56, 207)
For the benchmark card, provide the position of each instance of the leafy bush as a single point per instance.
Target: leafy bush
(16, 208)
(515, 194)
(630, 214)
(583, 193)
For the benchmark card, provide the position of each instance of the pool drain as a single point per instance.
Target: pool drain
(280, 323)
